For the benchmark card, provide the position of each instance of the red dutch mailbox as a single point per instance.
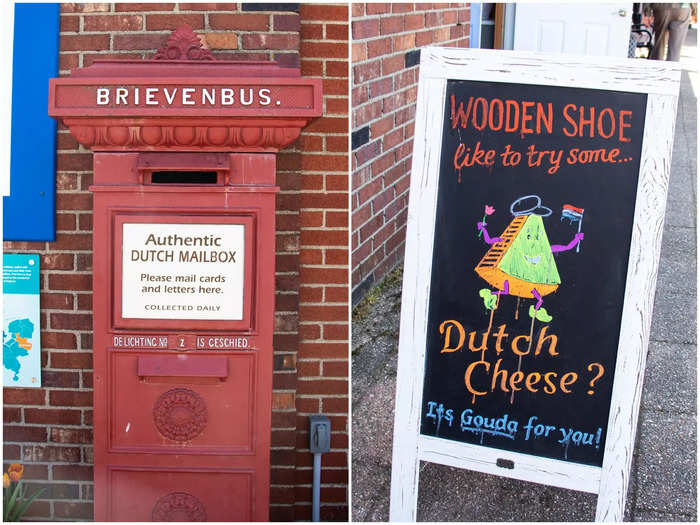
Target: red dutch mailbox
(183, 274)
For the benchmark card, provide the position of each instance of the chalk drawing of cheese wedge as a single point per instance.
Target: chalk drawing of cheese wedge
(523, 258)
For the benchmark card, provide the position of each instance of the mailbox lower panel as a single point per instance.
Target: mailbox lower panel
(211, 409)
(180, 495)
(181, 432)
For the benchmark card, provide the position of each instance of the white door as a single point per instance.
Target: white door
(584, 29)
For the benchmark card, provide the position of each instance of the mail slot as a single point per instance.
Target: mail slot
(183, 277)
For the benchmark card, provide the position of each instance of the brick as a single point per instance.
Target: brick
(84, 261)
(160, 22)
(392, 24)
(310, 295)
(39, 453)
(442, 34)
(58, 340)
(74, 201)
(401, 42)
(52, 378)
(72, 472)
(324, 237)
(69, 241)
(324, 49)
(61, 321)
(84, 301)
(120, 7)
(392, 139)
(311, 31)
(145, 41)
(84, 8)
(337, 68)
(70, 398)
(337, 144)
(52, 416)
(73, 282)
(68, 61)
(316, 275)
(358, 9)
(89, 59)
(10, 452)
(55, 490)
(69, 24)
(366, 113)
(286, 22)
(38, 509)
(381, 87)
(380, 46)
(12, 414)
(70, 435)
(324, 12)
(73, 161)
(333, 86)
(365, 28)
(392, 64)
(23, 396)
(337, 32)
(206, 6)
(328, 125)
(23, 434)
(322, 386)
(113, 23)
(359, 51)
(424, 38)
(323, 313)
(71, 360)
(377, 9)
(65, 222)
(323, 350)
(65, 509)
(222, 40)
(84, 42)
(335, 332)
(239, 22)
(335, 405)
(56, 261)
(270, 41)
(433, 18)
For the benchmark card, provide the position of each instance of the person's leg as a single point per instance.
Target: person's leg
(661, 20)
(677, 31)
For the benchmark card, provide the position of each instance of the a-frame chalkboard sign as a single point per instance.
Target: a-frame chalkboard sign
(536, 210)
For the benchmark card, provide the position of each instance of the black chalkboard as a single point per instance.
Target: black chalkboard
(586, 181)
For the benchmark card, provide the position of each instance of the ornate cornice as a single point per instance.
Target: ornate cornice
(194, 135)
(183, 44)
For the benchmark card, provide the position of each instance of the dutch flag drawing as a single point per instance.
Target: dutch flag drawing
(573, 214)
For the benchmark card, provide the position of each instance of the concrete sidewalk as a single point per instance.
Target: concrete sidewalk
(664, 475)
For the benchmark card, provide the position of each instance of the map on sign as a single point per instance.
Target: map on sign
(21, 337)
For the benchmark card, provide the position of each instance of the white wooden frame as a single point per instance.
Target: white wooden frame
(660, 81)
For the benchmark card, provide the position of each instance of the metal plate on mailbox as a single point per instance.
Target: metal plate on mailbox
(183, 271)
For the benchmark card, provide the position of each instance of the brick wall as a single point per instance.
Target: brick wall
(321, 177)
(386, 39)
(50, 429)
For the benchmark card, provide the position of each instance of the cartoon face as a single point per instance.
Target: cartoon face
(529, 257)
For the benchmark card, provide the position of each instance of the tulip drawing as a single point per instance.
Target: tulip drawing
(488, 210)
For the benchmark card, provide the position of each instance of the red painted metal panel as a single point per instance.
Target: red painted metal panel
(149, 422)
(182, 365)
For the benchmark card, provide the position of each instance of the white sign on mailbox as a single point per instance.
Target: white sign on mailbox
(183, 271)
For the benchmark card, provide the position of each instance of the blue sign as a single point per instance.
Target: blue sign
(29, 213)
(21, 329)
